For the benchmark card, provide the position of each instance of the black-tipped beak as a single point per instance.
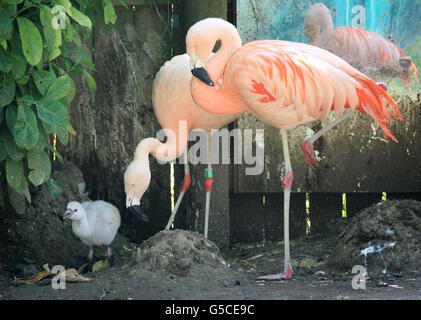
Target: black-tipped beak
(202, 75)
(67, 214)
(138, 213)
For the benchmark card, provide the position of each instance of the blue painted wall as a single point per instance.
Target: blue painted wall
(284, 19)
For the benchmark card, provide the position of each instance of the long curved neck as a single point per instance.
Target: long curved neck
(165, 152)
(319, 21)
(218, 99)
(326, 21)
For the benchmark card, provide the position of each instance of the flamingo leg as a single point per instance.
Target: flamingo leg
(110, 256)
(91, 258)
(286, 183)
(185, 185)
(307, 145)
(208, 187)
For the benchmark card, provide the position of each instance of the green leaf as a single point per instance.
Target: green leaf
(43, 80)
(54, 188)
(59, 88)
(5, 61)
(18, 200)
(91, 83)
(52, 36)
(14, 173)
(11, 116)
(26, 130)
(3, 151)
(31, 40)
(80, 18)
(55, 152)
(42, 139)
(72, 91)
(40, 164)
(1, 115)
(123, 4)
(3, 43)
(66, 4)
(83, 58)
(11, 1)
(24, 80)
(6, 21)
(76, 37)
(10, 145)
(7, 88)
(18, 66)
(68, 34)
(52, 112)
(109, 13)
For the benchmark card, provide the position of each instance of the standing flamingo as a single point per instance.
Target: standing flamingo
(178, 115)
(283, 83)
(363, 49)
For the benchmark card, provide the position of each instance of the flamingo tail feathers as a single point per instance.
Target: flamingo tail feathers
(371, 101)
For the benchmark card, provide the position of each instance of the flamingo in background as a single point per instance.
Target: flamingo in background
(282, 83)
(178, 115)
(363, 49)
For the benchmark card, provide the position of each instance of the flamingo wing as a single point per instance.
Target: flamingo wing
(288, 84)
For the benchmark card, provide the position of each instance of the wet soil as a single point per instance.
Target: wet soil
(181, 264)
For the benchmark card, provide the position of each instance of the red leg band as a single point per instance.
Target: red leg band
(208, 184)
(186, 182)
(287, 181)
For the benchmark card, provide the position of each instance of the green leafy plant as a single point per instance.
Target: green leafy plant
(40, 51)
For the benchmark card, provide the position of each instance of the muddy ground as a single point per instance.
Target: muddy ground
(179, 264)
(193, 268)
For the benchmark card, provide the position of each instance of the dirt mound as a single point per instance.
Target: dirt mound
(384, 237)
(182, 253)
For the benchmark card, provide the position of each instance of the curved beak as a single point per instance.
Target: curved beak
(138, 213)
(201, 74)
(67, 214)
(198, 70)
(133, 205)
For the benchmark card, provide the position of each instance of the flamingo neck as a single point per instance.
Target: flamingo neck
(81, 227)
(326, 22)
(219, 98)
(318, 21)
(164, 152)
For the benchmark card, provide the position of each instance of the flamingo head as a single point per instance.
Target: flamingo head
(317, 15)
(137, 178)
(74, 211)
(200, 43)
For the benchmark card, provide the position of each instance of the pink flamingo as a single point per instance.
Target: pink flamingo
(365, 50)
(283, 83)
(178, 115)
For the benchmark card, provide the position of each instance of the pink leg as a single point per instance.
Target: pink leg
(307, 145)
(287, 183)
(184, 187)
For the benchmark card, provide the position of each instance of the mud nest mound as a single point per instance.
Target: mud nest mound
(383, 238)
(183, 253)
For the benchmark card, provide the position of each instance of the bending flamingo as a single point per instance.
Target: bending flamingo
(283, 83)
(363, 49)
(178, 115)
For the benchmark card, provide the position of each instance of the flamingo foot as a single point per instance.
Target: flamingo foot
(309, 154)
(287, 274)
